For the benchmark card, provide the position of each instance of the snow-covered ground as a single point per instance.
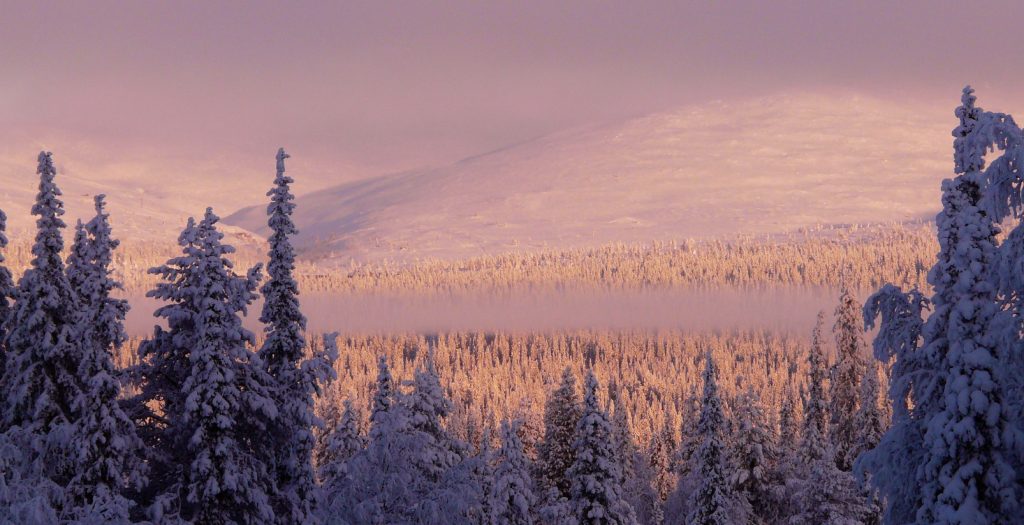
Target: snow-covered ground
(767, 165)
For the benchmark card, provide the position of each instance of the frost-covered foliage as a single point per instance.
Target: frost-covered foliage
(210, 389)
(296, 379)
(562, 413)
(512, 496)
(844, 393)
(596, 493)
(948, 449)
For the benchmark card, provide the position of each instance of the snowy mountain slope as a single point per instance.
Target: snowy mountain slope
(148, 200)
(762, 166)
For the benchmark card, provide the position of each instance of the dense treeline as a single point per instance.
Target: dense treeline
(642, 397)
(865, 258)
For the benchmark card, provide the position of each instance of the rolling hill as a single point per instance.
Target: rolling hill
(770, 165)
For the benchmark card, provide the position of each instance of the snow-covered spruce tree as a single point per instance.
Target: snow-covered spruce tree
(893, 464)
(625, 448)
(788, 429)
(383, 399)
(870, 423)
(713, 501)
(220, 409)
(41, 383)
(844, 394)
(950, 444)
(512, 498)
(377, 485)
(1003, 198)
(689, 438)
(296, 379)
(754, 474)
(636, 474)
(400, 477)
(343, 442)
(26, 496)
(828, 496)
(662, 449)
(815, 444)
(7, 295)
(427, 406)
(596, 479)
(464, 494)
(107, 446)
(557, 510)
(561, 414)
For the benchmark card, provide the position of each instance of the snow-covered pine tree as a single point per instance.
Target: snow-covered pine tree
(788, 429)
(636, 474)
(512, 498)
(27, 496)
(427, 406)
(557, 510)
(7, 295)
(754, 457)
(713, 501)
(894, 463)
(844, 393)
(464, 492)
(596, 479)
(870, 422)
(164, 364)
(966, 477)
(828, 496)
(107, 446)
(625, 448)
(561, 415)
(41, 383)
(383, 398)
(226, 394)
(944, 458)
(689, 439)
(662, 449)
(815, 443)
(1002, 199)
(378, 485)
(296, 379)
(343, 442)
(221, 406)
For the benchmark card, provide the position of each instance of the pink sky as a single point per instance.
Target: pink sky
(359, 88)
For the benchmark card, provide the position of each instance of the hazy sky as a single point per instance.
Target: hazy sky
(355, 88)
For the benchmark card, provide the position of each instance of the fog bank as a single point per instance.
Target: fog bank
(782, 310)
